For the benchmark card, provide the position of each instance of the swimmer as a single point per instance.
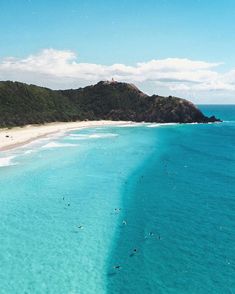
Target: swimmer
(124, 222)
(134, 252)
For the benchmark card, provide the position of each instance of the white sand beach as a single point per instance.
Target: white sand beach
(18, 136)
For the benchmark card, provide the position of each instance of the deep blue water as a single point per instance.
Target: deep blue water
(174, 185)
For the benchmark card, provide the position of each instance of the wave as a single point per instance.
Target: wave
(156, 125)
(29, 151)
(103, 135)
(91, 136)
(58, 145)
(39, 141)
(131, 125)
(79, 135)
(7, 161)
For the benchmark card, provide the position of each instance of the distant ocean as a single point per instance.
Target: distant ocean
(156, 202)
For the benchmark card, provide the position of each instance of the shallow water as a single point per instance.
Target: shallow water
(175, 187)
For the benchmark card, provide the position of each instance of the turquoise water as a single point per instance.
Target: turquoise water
(174, 186)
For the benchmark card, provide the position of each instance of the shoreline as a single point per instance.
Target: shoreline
(20, 136)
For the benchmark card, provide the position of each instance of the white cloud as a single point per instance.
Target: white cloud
(60, 69)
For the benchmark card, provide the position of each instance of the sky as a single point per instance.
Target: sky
(168, 47)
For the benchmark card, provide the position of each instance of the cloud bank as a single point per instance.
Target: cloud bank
(61, 69)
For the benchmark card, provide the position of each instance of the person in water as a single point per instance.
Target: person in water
(133, 252)
(124, 222)
(117, 267)
(151, 234)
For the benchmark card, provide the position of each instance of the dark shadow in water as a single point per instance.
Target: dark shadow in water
(184, 206)
(111, 274)
(136, 201)
(132, 254)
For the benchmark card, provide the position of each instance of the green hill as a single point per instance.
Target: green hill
(22, 104)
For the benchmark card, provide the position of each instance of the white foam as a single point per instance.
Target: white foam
(58, 145)
(76, 138)
(103, 135)
(36, 142)
(91, 136)
(79, 135)
(56, 135)
(39, 141)
(7, 161)
(29, 151)
(156, 125)
(131, 125)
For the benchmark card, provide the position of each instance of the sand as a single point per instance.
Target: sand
(18, 136)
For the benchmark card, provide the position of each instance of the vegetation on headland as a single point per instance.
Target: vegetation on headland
(22, 104)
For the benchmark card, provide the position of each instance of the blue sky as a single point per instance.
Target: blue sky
(124, 32)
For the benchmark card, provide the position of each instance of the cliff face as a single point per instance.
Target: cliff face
(22, 104)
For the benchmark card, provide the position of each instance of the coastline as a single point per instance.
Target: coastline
(19, 136)
(12, 138)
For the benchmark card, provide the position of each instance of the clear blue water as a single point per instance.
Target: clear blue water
(176, 182)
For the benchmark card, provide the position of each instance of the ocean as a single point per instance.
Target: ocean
(141, 209)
